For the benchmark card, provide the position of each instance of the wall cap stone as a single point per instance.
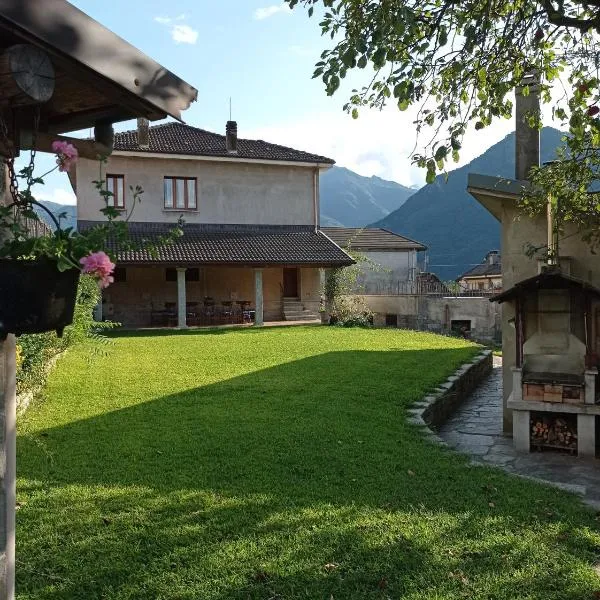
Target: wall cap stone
(464, 380)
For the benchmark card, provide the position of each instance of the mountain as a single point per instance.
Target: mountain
(350, 200)
(57, 209)
(442, 215)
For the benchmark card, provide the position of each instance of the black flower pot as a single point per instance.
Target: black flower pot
(35, 296)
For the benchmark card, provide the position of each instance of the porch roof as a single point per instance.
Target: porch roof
(549, 279)
(231, 245)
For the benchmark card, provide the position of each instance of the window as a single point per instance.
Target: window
(180, 193)
(391, 320)
(116, 185)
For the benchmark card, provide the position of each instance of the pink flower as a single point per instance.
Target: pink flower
(66, 154)
(100, 266)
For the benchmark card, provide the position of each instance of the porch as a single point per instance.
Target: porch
(191, 296)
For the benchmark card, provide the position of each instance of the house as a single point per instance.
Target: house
(550, 312)
(484, 277)
(251, 247)
(393, 257)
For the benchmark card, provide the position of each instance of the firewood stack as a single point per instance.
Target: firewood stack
(554, 432)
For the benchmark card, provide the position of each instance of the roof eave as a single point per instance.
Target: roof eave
(219, 158)
(63, 29)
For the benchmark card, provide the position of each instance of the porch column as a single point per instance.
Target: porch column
(181, 300)
(258, 297)
(8, 418)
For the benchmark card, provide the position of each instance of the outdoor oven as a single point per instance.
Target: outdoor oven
(554, 399)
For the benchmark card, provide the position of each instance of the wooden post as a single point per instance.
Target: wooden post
(8, 467)
(8, 414)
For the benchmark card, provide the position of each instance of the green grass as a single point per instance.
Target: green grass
(275, 464)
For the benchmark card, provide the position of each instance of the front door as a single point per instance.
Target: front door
(290, 283)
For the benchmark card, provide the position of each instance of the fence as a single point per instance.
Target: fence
(420, 288)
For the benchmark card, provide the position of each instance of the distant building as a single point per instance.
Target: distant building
(393, 257)
(485, 277)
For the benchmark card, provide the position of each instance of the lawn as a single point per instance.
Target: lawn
(275, 464)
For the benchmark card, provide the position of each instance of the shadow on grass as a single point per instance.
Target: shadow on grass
(298, 481)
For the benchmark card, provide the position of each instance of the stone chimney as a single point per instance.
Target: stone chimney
(143, 129)
(527, 145)
(493, 257)
(231, 137)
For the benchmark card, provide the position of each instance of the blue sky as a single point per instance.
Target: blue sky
(261, 54)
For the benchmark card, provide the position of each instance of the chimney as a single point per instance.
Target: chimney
(527, 145)
(231, 137)
(493, 257)
(143, 129)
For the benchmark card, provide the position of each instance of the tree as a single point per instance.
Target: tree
(457, 63)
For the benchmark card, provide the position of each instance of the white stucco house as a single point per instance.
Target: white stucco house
(251, 249)
(394, 258)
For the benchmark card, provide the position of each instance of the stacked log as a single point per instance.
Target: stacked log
(555, 432)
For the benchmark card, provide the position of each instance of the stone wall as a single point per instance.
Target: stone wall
(436, 313)
(437, 407)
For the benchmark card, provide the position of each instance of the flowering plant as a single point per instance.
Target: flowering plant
(24, 236)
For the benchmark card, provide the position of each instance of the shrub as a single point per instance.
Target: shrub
(350, 311)
(35, 351)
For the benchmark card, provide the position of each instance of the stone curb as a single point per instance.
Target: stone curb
(435, 408)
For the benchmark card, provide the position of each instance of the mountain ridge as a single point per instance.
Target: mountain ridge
(445, 217)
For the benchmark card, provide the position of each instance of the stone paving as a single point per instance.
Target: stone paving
(476, 429)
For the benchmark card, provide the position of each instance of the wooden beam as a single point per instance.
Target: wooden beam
(86, 148)
(26, 76)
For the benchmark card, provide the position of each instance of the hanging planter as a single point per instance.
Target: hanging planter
(35, 296)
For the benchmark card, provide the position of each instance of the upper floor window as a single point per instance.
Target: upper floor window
(180, 193)
(116, 185)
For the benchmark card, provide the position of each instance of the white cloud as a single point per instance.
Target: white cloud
(59, 195)
(377, 143)
(181, 34)
(268, 11)
(168, 20)
(184, 34)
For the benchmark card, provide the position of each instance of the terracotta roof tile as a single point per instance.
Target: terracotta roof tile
(370, 239)
(177, 138)
(243, 245)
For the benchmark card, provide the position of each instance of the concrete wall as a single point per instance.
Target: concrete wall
(438, 312)
(389, 270)
(132, 301)
(394, 305)
(310, 289)
(237, 193)
(517, 266)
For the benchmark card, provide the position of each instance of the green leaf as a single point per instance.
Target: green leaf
(441, 153)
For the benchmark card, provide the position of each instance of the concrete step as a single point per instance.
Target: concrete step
(309, 317)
